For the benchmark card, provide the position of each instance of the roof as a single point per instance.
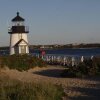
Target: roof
(20, 42)
(18, 18)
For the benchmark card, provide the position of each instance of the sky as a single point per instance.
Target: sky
(53, 21)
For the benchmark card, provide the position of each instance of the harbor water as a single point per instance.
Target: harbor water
(63, 56)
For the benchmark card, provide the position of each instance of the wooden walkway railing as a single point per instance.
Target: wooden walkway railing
(66, 60)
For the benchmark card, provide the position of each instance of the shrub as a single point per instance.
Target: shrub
(21, 62)
(87, 68)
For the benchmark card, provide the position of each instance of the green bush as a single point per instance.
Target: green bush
(21, 62)
(16, 90)
(87, 68)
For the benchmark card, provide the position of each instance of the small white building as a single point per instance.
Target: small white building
(18, 36)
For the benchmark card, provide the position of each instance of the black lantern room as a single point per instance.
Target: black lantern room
(18, 25)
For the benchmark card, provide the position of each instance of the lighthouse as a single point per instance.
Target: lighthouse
(18, 36)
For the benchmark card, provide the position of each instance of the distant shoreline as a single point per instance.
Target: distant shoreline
(58, 46)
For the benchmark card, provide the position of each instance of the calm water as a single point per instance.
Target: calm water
(73, 52)
(70, 52)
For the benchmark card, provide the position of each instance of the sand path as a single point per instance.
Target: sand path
(74, 88)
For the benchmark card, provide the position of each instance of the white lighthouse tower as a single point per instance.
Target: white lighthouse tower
(18, 36)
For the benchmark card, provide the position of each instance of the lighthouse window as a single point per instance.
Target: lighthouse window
(23, 49)
(17, 23)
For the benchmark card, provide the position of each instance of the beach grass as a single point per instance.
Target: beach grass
(21, 62)
(16, 90)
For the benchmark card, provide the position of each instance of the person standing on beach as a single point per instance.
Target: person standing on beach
(42, 53)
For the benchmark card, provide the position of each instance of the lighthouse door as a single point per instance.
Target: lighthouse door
(23, 48)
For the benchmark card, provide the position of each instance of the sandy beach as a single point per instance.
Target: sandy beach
(75, 88)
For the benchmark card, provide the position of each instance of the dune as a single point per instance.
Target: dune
(75, 88)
